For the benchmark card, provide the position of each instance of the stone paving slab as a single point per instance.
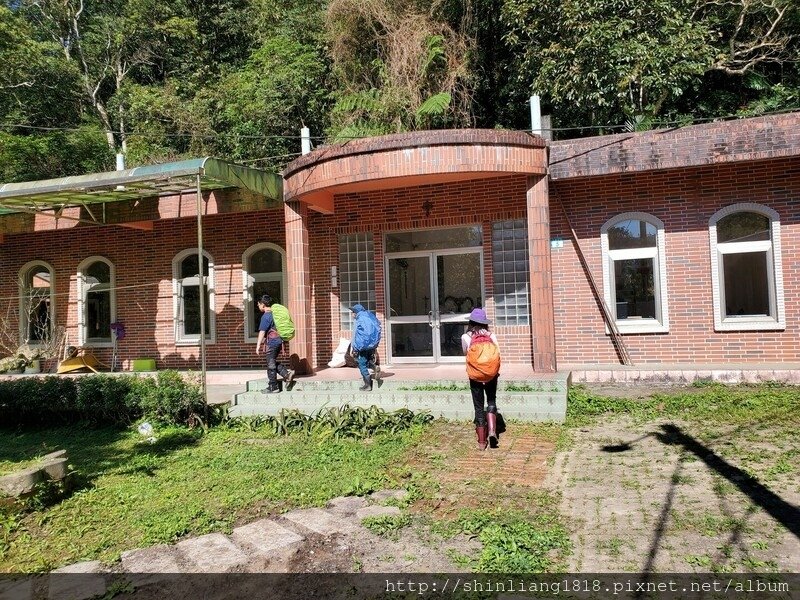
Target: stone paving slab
(212, 553)
(77, 582)
(376, 511)
(16, 590)
(151, 565)
(320, 521)
(384, 495)
(89, 566)
(265, 537)
(346, 505)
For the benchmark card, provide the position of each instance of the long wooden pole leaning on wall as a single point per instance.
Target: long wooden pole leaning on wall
(619, 343)
(202, 289)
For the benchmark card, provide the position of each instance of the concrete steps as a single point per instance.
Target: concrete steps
(540, 399)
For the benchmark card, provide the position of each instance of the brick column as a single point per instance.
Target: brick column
(298, 277)
(542, 315)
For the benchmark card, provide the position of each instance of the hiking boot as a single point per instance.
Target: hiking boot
(367, 387)
(289, 376)
(378, 373)
(480, 431)
(491, 419)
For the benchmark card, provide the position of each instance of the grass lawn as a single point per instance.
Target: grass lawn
(128, 493)
(132, 494)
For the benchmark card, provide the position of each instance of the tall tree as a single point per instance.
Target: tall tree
(608, 61)
(400, 66)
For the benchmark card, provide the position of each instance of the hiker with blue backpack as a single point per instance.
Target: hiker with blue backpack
(268, 331)
(366, 337)
(483, 369)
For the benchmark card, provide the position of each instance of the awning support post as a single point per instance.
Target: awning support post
(202, 280)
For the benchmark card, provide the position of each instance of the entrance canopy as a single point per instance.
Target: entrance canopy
(138, 183)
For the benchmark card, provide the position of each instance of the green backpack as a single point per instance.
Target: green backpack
(283, 322)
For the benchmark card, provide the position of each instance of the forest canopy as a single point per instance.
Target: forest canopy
(82, 80)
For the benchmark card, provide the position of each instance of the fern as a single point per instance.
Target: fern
(436, 53)
(435, 105)
(366, 101)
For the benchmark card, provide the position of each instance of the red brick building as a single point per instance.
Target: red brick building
(690, 236)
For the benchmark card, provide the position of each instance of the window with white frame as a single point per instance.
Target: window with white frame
(186, 293)
(746, 268)
(36, 303)
(96, 301)
(635, 274)
(263, 268)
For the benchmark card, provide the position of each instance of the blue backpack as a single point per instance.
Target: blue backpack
(368, 331)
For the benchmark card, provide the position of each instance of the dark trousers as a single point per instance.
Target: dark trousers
(274, 367)
(478, 389)
(366, 361)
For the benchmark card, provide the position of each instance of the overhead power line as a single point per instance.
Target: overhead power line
(325, 140)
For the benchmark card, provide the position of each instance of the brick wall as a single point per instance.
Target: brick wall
(453, 205)
(143, 262)
(696, 146)
(684, 200)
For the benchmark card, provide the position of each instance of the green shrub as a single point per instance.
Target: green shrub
(168, 399)
(337, 422)
(100, 400)
(33, 401)
(107, 399)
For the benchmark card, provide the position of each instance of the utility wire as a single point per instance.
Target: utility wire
(655, 124)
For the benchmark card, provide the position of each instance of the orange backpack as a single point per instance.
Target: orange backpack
(483, 358)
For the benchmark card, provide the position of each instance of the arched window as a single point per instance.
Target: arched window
(36, 303)
(746, 268)
(96, 301)
(186, 286)
(634, 265)
(263, 269)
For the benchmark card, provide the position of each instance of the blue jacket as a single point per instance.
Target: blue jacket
(367, 334)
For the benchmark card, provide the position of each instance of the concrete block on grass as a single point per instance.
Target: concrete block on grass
(264, 537)
(212, 553)
(320, 521)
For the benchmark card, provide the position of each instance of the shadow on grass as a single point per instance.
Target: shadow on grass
(760, 495)
(778, 508)
(91, 452)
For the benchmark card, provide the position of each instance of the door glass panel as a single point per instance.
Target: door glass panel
(409, 286)
(434, 239)
(458, 282)
(412, 339)
(450, 338)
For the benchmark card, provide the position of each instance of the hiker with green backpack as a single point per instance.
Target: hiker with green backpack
(276, 327)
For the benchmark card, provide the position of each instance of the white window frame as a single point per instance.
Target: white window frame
(249, 279)
(774, 271)
(181, 338)
(83, 291)
(658, 253)
(24, 317)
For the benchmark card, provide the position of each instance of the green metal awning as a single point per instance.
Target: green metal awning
(140, 182)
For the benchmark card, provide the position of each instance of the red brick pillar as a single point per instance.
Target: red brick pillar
(542, 316)
(299, 281)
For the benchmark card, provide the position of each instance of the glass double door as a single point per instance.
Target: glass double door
(430, 296)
